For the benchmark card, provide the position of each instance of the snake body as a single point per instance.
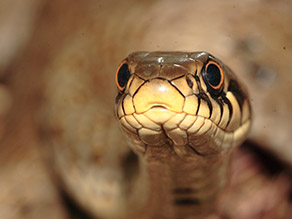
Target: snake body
(183, 114)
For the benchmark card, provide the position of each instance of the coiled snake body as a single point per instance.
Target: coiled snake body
(183, 114)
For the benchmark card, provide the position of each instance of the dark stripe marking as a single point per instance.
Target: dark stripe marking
(226, 101)
(199, 103)
(235, 89)
(187, 201)
(195, 151)
(198, 83)
(183, 191)
(220, 103)
(204, 96)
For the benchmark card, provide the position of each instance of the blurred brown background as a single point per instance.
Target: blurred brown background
(253, 37)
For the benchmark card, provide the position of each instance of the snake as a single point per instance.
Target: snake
(183, 114)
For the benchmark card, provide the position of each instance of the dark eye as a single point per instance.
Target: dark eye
(213, 76)
(122, 75)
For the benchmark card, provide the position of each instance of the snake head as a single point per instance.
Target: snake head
(190, 102)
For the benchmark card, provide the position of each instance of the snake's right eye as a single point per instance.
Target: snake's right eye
(122, 75)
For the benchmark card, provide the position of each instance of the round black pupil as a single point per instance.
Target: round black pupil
(213, 75)
(123, 75)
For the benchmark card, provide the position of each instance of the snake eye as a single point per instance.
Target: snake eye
(213, 76)
(122, 75)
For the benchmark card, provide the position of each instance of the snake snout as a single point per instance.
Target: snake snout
(158, 93)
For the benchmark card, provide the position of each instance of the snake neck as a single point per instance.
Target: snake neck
(181, 185)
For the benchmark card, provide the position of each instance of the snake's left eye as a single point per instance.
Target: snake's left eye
(213, 76)
(122, 75)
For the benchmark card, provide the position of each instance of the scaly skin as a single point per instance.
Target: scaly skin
(182, 127)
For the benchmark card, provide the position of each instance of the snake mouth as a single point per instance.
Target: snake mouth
(160, 106)
(159, 113)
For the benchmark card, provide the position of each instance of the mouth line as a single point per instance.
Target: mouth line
(159, 106)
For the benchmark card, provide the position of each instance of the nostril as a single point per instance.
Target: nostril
(189, 82)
